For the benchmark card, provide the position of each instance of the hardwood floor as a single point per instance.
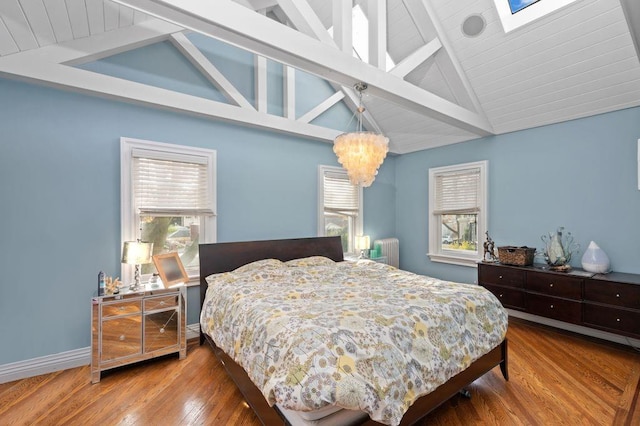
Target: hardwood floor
(556, 378)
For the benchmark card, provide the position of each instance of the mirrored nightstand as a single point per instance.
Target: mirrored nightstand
(136, 325)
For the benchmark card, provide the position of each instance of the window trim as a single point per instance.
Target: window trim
(436, 252)
(359, 220)
(129, 219)
(513, 21)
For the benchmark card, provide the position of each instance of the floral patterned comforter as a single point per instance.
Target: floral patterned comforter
(359, 335)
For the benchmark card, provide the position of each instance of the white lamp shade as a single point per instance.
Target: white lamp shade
(362, 242)
(136, 252)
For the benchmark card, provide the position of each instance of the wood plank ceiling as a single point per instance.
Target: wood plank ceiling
(580, 61)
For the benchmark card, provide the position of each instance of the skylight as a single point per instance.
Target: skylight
(516, 13)
(518, 5)
(360, 32)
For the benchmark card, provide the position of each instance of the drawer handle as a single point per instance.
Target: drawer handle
(162, 330)
(501, 295)
(551, 285)
(618, 319)
(162, 303)
(500, 277)
(551, 306)
(122, 337)
(617, 294)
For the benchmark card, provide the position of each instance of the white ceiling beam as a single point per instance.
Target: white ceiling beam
(305, 20)
(343, 25)
(323, 106)
(289, 95)
(87, 82)
(315, 29)
(424, 17)
(377, 33)
(260, 69)
(416, 58)
(245, 3)
(262, 4)
(211, 73)
(260, 79)
(631, 9)
(280, 16)
(102, 45)
(239, 26)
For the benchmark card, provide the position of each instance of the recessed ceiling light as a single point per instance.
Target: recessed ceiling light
(473, 25)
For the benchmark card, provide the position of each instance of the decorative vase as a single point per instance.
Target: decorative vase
(595, 259)
(558, 249)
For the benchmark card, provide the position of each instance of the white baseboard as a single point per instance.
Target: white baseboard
(61, 361)
(45, 364)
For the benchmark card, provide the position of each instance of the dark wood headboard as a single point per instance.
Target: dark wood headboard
(224, 257)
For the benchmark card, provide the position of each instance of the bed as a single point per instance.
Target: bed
(226, 257)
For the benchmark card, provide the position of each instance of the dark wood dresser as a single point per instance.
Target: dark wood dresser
(608, 302)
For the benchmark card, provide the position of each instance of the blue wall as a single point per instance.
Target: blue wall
(60, 200)
(60, 188)
(581, 174)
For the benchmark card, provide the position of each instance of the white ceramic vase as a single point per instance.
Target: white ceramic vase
(595, 260)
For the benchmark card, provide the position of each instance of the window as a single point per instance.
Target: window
(340, 206)
(360, 37)
(167, 198)
(457, 212)
(516, 13)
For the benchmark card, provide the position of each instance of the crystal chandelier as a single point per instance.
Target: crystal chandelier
(361, 153)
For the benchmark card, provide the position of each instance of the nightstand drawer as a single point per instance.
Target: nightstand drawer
(162, 302)
(121, 337)
(509, 297)
(553, 307)
(121, 308)
(161, 330)
(554, 285)
(500, 276)
(618, 294)
(617, 320)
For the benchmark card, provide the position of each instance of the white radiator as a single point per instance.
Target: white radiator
(391, 249)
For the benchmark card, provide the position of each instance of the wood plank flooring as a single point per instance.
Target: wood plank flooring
(556, 378)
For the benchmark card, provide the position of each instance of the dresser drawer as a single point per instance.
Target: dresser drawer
(121, 308)
(508, 296)
(616, 320)
(500, 276)
(554, 285)
(618, 294)
(553, 307)
(160, 302)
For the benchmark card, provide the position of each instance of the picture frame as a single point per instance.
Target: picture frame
(170, 269)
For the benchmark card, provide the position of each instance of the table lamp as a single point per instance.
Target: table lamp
(136, 253)
(362, 243)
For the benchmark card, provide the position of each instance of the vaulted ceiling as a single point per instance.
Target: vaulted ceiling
(443, 86)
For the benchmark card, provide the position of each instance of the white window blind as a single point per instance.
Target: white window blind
(340, 196)
(458, 192)
(170, 185)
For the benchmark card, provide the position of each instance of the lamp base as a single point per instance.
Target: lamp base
(363, 255)
(136, 285)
